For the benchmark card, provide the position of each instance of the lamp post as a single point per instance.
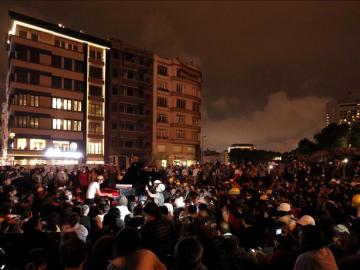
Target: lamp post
(202, 148)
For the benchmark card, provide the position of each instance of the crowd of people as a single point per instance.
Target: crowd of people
(295, 215)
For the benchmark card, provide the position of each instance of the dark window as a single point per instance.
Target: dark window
(130, 75)
(162, 70)
(141, 76)
(23, 34)
(130, 57)
(75, 48)
(92, 54)
(56, 82)
(78, 86)
(115, 72)
(141, 93)
(57, 43)
(56, 61)
(34, 37)
(96, 72)
(33, 122)
(115, 54)
(130, 109)
(78, 66)
(67, 63)
(34, 56)
(196, 107)
(180, 103)
(68, 84)
(114, 90)
(128, 144)
(98, 55)
(162, 102)
(114, 125)
(21, 54)
(34, 78)
(130, 92)
(95, 91)
(22, 76)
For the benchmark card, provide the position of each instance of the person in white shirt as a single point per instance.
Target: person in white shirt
(122, 206)
(94, 189)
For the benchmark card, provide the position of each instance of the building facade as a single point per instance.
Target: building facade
(129, 110)
(55, 94)
(176, 112)
(345, 110)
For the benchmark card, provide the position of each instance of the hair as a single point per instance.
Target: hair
(127, 241)
(192, 209)
(123, 201)
(73, 219)
(311, 238)
(152, 209)
(112, 217)
(137, 211)
(164, 210)
(37, 257)
(73, 252)
(224, 227)
(188, 254)
(103, 247)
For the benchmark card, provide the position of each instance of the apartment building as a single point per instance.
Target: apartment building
(344, 110)
(55, 94)
(176, 112)
(129, 110)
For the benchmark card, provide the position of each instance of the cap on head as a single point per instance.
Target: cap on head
(284, 207)
(157, 182)
(306, 220)
(234, 191)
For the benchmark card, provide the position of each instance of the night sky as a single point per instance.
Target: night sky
(268, 67)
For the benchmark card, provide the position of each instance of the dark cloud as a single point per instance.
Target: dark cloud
(247, 50)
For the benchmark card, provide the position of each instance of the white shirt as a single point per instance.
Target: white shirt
(91, 191)
(124, 211)
(79, 229)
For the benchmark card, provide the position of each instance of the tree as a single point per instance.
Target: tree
(333, 136)
(354, 137)
(306, 147)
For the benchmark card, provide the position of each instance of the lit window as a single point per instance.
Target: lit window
(56, 124)
(56, 103)
(77, 126)
(67, 104)
(21, 143)
(34, 101)
(180, 134)
(37, 144)
(95, 148)
(77, 105)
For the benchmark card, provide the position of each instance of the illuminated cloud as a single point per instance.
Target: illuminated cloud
(278, 126)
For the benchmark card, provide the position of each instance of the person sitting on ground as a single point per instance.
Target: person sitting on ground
(315, 255)
(188, 255)
(75, 226)
(157, 233)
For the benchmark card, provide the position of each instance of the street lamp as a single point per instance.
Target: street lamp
(202, 148)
